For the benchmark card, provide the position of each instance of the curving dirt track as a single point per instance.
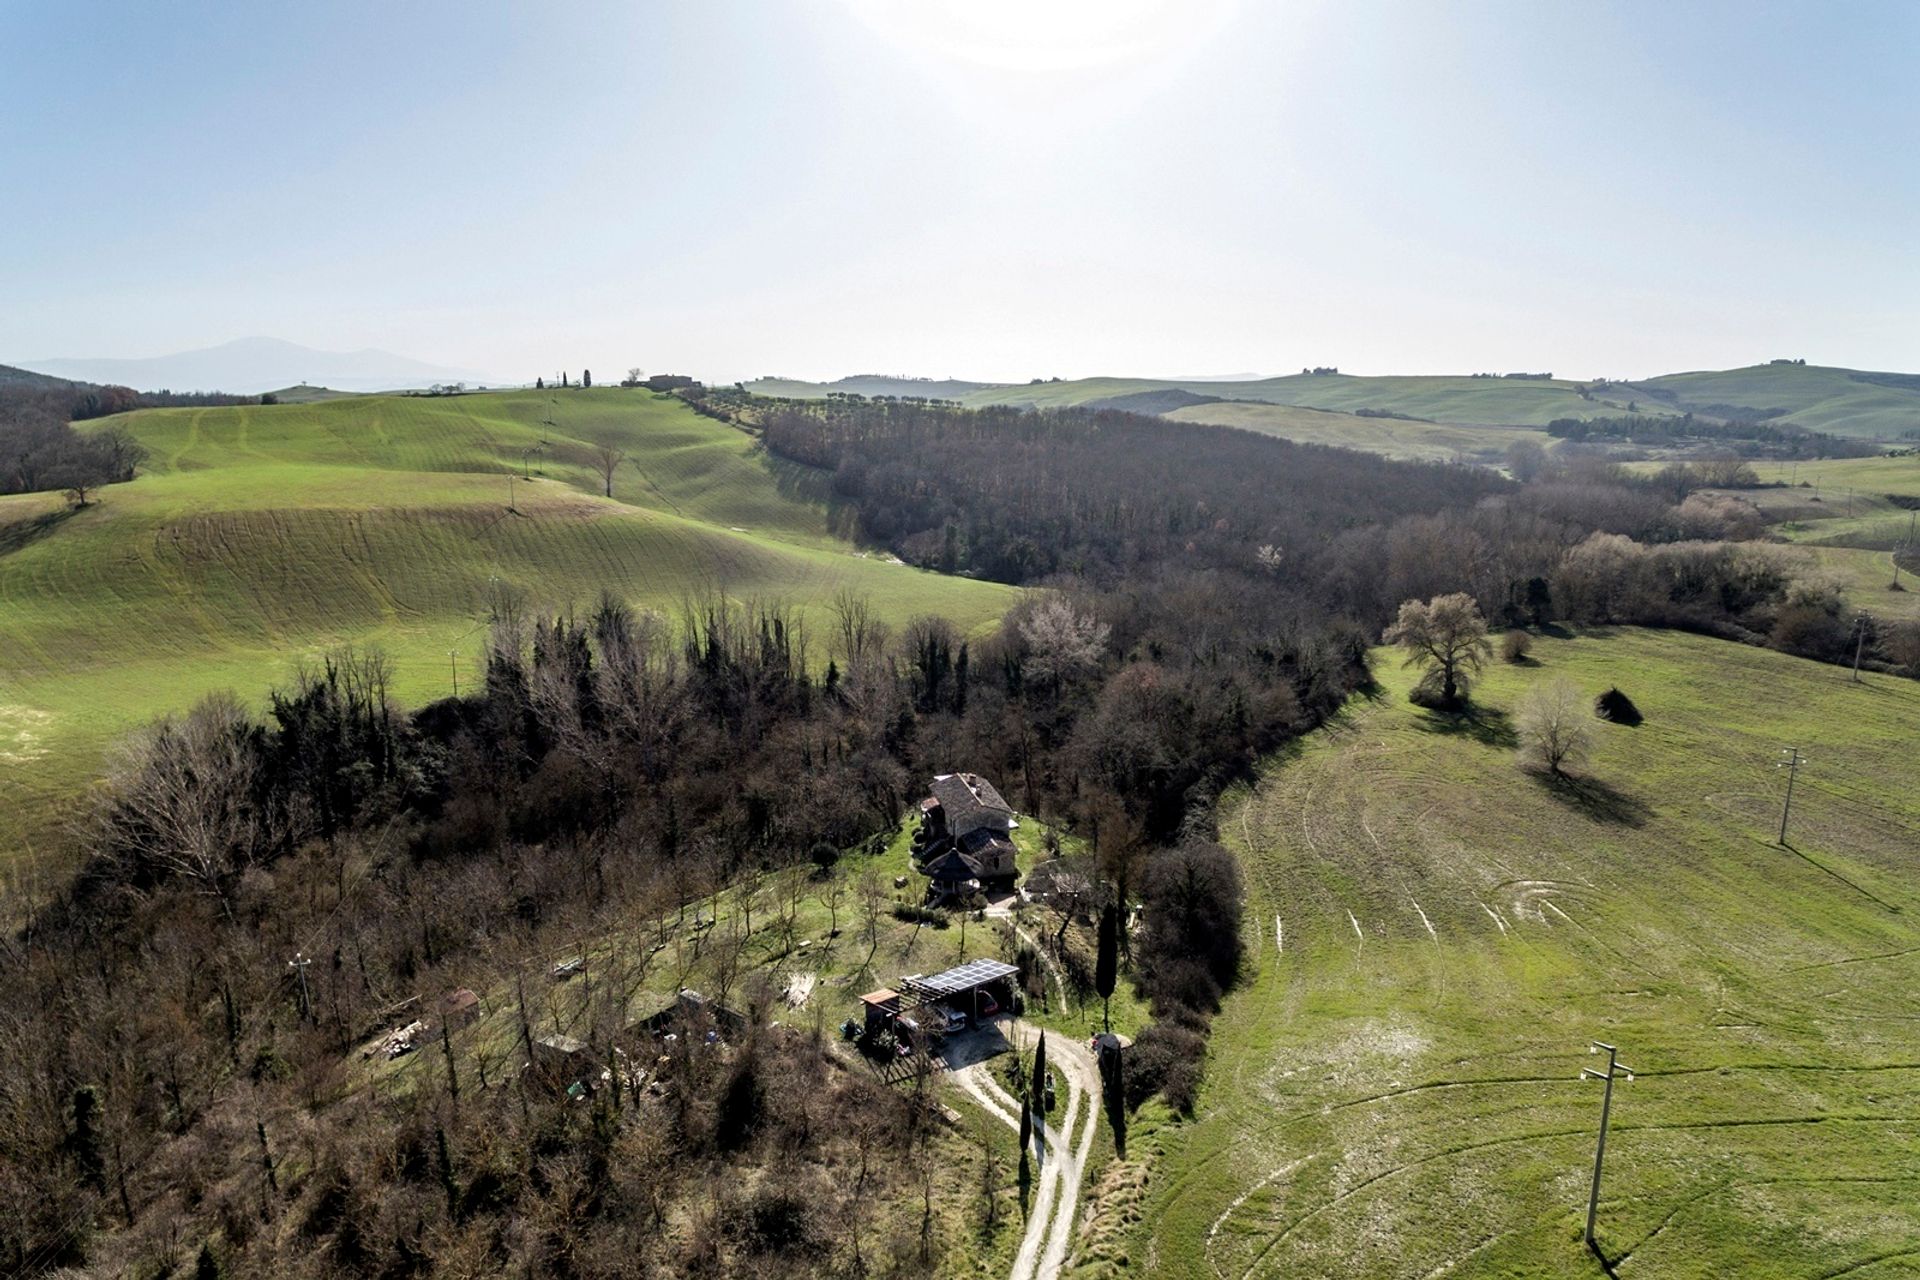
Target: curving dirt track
(1059, 1152)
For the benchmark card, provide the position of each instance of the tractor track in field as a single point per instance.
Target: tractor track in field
(1332, 1204)
(1242, 1198)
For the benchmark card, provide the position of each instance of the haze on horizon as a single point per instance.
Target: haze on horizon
(990, 189)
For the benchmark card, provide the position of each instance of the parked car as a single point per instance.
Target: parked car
(954, 1020)
(988, 1005)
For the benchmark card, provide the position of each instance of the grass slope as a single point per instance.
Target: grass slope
(1391, 437)
(258, 535)
(1844, 402)
(1458, 400)
(1849, 515)
(1394, 1092)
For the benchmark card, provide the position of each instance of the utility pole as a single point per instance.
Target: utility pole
(1792, 765)
(1859, 643)
(510, 505)
(453, 657)
(1904, 546)
(1615, 1067)
(299, 965)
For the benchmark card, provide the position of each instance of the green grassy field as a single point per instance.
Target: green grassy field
(260, 535)
(1438, 935)
(1476, 401)
(1479, 401)
(1846, 515)
(1843, 402)
(1839, 401)
(1391, 437)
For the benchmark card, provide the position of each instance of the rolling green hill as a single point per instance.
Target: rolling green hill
(1478, 401)
(1391, 437)
(1842, 402)
(259, 535)
(1439, 935)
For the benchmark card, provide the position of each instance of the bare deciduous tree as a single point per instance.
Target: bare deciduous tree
(183, 800)
(1554, 733)
(606, 459)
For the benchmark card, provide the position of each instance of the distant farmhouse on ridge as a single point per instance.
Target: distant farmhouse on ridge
(965, 840)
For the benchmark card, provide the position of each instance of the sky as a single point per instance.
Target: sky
(991, 189)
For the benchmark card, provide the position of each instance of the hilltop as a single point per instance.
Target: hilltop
(1845, 402)
(258, 536)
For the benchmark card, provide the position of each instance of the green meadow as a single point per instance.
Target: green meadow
(1842, 402)
(1436, 936)
(1849, 516)
(259, 536)
(1390, 437)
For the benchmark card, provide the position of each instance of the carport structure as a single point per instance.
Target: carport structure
(961, 987)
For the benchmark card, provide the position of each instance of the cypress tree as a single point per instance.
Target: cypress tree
(1038, 1093)
(1106, 966)
(85, 1140)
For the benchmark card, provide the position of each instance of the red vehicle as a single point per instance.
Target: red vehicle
(988, 1005)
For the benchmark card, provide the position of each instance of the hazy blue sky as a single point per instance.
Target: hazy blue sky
(984, 188)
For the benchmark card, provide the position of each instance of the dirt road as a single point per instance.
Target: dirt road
(1059, 1153)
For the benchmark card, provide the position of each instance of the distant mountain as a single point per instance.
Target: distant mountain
(12, 377)
(250, 365)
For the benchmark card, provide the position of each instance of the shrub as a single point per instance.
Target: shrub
(1516, 645)
(920, 915)
(1618, 707)
(1165, 1055)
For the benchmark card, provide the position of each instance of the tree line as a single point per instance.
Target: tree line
(1751, 439)
(40, 450)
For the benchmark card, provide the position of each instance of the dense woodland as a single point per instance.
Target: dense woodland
(1747, 439)
(39, 450)
(177, 1100)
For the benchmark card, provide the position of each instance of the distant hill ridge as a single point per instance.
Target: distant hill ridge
(1862, 404)
(248, 366)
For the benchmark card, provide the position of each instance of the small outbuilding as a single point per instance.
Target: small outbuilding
(560, 1061)
(882, 1007)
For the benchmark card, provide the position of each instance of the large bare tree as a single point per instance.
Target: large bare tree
(1448, 637)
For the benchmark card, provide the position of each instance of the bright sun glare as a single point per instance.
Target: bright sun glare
(1041, 35)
